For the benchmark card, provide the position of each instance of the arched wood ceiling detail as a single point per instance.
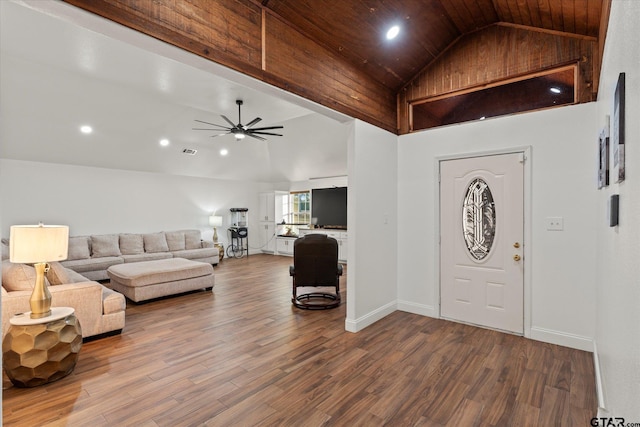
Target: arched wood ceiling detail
(334, 53)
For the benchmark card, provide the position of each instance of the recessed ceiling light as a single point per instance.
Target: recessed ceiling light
(224, 152)
(555, 90)
(393, 32)
(483, 117)
(164, 142)
(86, 129)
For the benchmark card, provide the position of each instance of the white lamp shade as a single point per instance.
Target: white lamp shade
(38, 243)
(215, 221)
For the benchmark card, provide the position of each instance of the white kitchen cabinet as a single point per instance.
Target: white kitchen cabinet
(284, 245)
(267, 231)
(267, 208)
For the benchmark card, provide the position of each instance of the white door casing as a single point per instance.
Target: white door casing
(482, 275)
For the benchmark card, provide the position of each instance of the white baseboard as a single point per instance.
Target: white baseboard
(355, 325)
(562, 338)
(602, 408)
(422, 309)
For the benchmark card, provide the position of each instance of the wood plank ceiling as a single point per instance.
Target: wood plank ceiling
(335, 52)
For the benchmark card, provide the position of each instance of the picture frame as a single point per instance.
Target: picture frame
(618, 130)
(603, 145)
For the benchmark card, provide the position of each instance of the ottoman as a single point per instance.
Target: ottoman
(140, 281)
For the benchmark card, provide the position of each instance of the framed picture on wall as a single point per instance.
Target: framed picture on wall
(603, 145)
(617, 131)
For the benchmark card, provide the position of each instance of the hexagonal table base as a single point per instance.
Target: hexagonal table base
(39, 351)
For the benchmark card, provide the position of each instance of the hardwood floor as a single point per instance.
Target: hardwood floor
(242, 355)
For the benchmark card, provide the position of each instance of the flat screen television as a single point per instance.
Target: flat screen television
(329, 206)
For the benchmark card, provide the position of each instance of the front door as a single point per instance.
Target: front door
(481, 241)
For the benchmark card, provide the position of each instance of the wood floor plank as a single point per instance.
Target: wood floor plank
(243, 355)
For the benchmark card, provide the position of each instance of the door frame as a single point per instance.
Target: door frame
(526, 151)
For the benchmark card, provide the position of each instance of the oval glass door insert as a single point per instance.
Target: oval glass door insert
(478, 219)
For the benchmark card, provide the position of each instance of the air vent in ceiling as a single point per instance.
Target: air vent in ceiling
(189, 151)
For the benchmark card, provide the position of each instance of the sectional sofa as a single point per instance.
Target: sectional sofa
(92, 255)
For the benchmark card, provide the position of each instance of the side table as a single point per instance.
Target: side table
(40, 351)
(220, 247)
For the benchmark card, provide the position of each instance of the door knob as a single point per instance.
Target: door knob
(516, 257)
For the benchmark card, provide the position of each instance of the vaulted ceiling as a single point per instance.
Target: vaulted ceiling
(323, 62)
(336, 54)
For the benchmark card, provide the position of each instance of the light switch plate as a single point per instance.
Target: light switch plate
(554, 223)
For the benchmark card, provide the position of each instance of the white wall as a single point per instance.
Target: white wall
(618, 273)
(371, 205)
(559, 266)
(100, 201)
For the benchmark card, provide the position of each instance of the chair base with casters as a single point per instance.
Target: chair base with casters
(315, 259)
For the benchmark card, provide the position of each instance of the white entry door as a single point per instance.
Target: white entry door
(481, 247)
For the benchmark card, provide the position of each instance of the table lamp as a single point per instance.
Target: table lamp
(38, 245)
(215, 221)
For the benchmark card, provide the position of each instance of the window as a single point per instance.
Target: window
(478, 219)
(296, 208)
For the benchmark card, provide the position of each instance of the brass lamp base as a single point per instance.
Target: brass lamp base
(215, 235)
(40, 300)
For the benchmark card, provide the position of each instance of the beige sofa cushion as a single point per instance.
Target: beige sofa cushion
(192, 239)
(140, 274)
(105, 245)
(175, 240)
(131, 244)
(57, 274)
(155, 242)
(78, 248)
(18, 277)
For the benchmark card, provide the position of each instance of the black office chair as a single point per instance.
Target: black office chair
(315, 265)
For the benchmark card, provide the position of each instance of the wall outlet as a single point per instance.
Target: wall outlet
(554, 223)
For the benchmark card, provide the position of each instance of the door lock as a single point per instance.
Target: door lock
(516, 245)
(516, 257)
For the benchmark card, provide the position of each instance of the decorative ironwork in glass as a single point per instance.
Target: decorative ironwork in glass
(478, 219)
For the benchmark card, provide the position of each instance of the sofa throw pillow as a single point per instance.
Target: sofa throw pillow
(105, 245)
(78, 248)
(192, 239)
(131, 244)
(19, 277)
(155, 242)
(175, 240)
(57, 274)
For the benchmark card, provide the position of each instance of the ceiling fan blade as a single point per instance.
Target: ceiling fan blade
(263, 133)
(268, 128)
(252, 122)
(221, 134)
(228, 121)
(225, 129)
(211, 124)
(256, 137)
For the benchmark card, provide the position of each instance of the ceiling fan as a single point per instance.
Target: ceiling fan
(240, 131)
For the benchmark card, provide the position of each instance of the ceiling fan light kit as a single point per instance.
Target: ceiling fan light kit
(239, 130)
